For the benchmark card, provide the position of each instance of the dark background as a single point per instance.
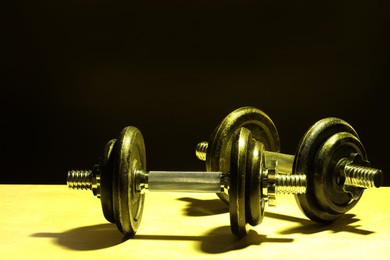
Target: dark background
(77, 72)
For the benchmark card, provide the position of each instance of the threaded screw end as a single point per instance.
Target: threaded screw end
(362, 176)
(290, 184)
(201, 150)
(282, 183)
(79, 179)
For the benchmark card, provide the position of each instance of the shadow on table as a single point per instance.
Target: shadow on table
(221, 240)
(88, 237)
(343, 224)
(218, 240)
(198, 208)
(101, 236)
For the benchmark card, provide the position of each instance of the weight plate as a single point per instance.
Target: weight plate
(328, 189)
(127, 202)
(220, 143)
(239, 157)
(255, 202)
(305, 162)
(106, 181)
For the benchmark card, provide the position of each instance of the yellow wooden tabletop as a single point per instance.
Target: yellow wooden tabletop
(54, 222)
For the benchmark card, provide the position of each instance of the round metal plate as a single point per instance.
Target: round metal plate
(305, 161)
(220, 143)
(106, 181)
(328, 189)
(127, 202)
(239, 157)
(255, 202)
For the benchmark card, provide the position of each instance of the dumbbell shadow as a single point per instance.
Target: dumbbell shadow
(95, 237)
(307, 227)
(198, 207)
(86, 238)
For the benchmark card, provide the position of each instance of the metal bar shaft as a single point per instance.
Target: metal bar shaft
(184, 181)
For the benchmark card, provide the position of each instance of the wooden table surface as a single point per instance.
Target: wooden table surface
(54, 222)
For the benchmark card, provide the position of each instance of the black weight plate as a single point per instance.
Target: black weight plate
(219, 145)
(304, 163)
(239, 156)
(127, 202)
(106, 181)
(255, 202)
(329, 191)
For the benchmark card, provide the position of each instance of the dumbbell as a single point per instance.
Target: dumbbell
(330, 155)
(120, 180)
(121, 189)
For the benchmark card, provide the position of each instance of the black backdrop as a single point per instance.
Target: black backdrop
(77, 72)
